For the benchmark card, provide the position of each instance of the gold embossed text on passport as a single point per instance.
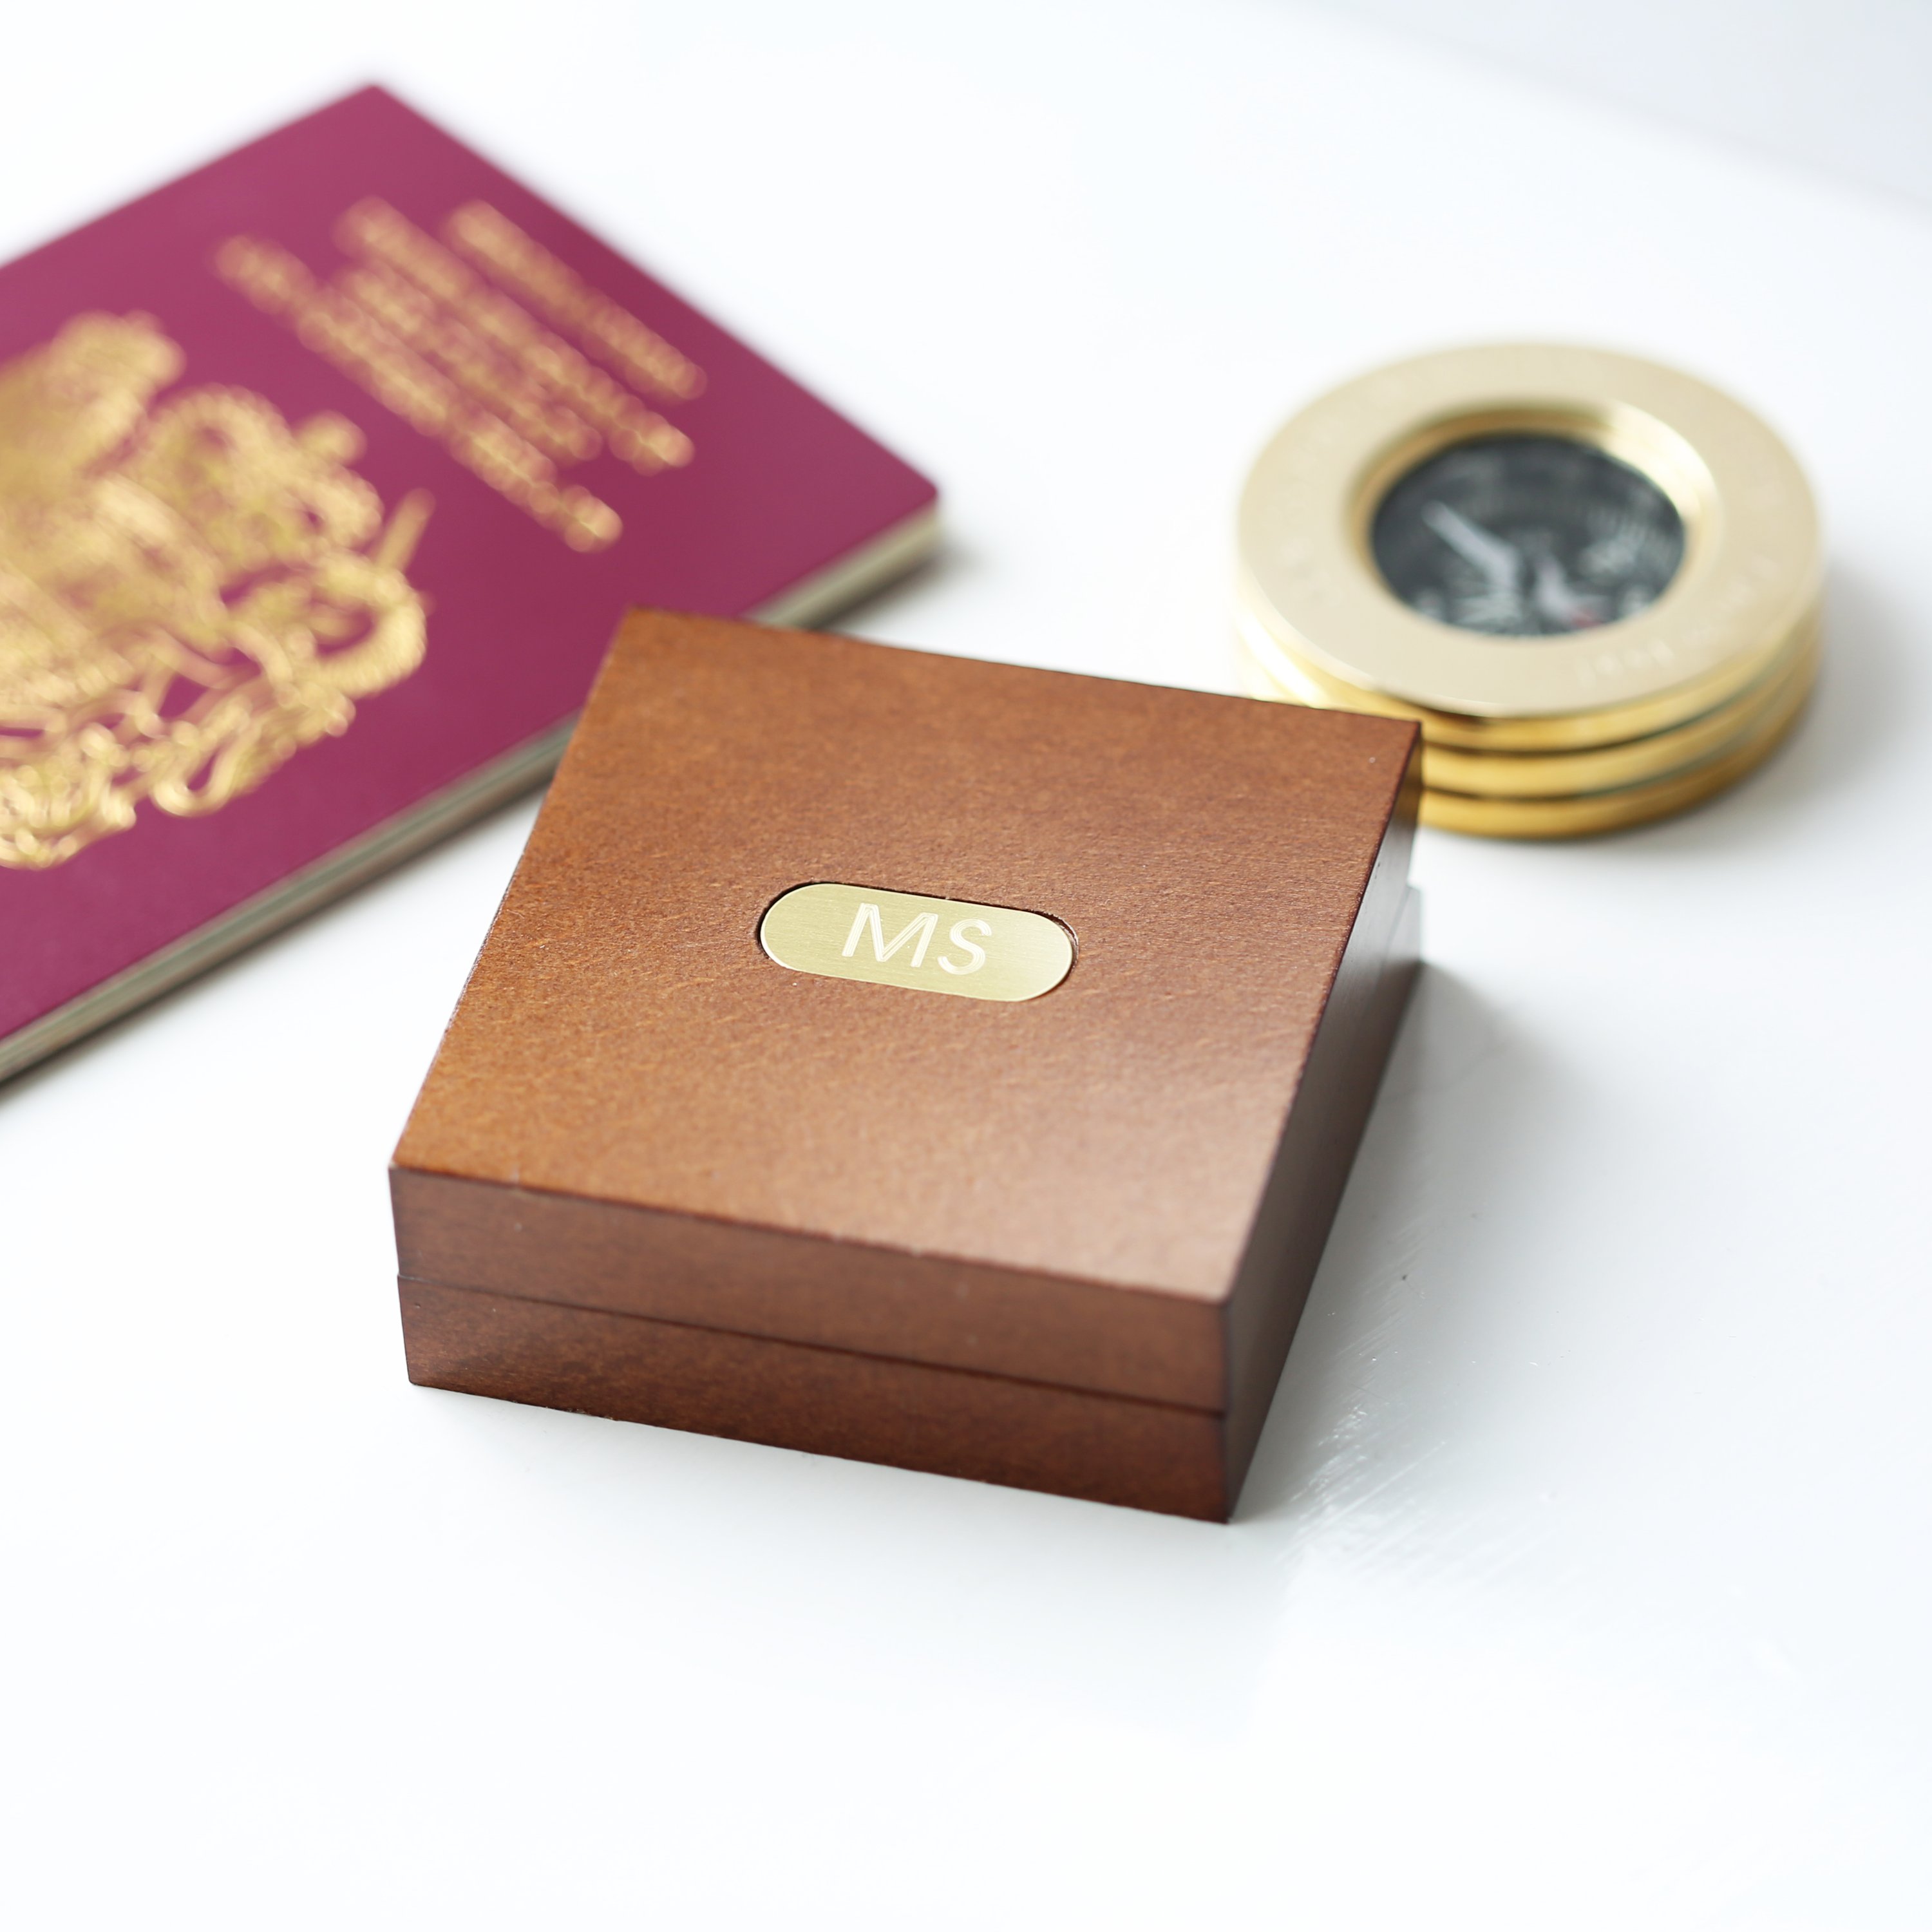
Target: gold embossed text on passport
(905, 939)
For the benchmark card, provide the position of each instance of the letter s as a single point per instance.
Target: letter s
(960, 927)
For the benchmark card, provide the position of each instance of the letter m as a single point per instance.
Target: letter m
(923, 927)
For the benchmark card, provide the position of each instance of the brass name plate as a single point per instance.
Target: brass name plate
(905, 939)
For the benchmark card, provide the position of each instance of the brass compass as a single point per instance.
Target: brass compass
(1594, 580)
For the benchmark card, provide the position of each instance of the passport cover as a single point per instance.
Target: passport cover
(325, 472)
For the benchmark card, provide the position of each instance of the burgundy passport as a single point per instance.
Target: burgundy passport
(325, 472)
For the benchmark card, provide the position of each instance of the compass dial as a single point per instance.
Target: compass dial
(1527, 536)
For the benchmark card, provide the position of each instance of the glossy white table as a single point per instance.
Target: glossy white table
(1582, 1579)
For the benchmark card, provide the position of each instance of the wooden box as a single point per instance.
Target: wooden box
(1060, 1241)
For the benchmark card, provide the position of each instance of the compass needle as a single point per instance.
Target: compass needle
(1501, 563)
(1559, 600)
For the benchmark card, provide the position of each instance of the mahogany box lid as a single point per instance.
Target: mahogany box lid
(1117, 1189)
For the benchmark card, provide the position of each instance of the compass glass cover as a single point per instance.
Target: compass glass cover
(1527, 536)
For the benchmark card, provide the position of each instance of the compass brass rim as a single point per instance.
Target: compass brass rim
(1751, 567)
(1310, 684)
(1565, 774)
(1629, 805)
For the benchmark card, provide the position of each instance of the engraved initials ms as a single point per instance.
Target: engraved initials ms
(894, 939)
(922, 927)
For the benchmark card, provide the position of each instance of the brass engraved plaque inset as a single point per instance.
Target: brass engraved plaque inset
(905, 939)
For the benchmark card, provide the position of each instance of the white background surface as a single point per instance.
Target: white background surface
(1836, 84)
(1582, 1579)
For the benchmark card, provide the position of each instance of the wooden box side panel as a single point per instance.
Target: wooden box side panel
(1318, 1149)
(1145, 1455)
(841, 1295)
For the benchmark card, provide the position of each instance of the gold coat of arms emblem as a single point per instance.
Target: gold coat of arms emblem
(190, 592)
